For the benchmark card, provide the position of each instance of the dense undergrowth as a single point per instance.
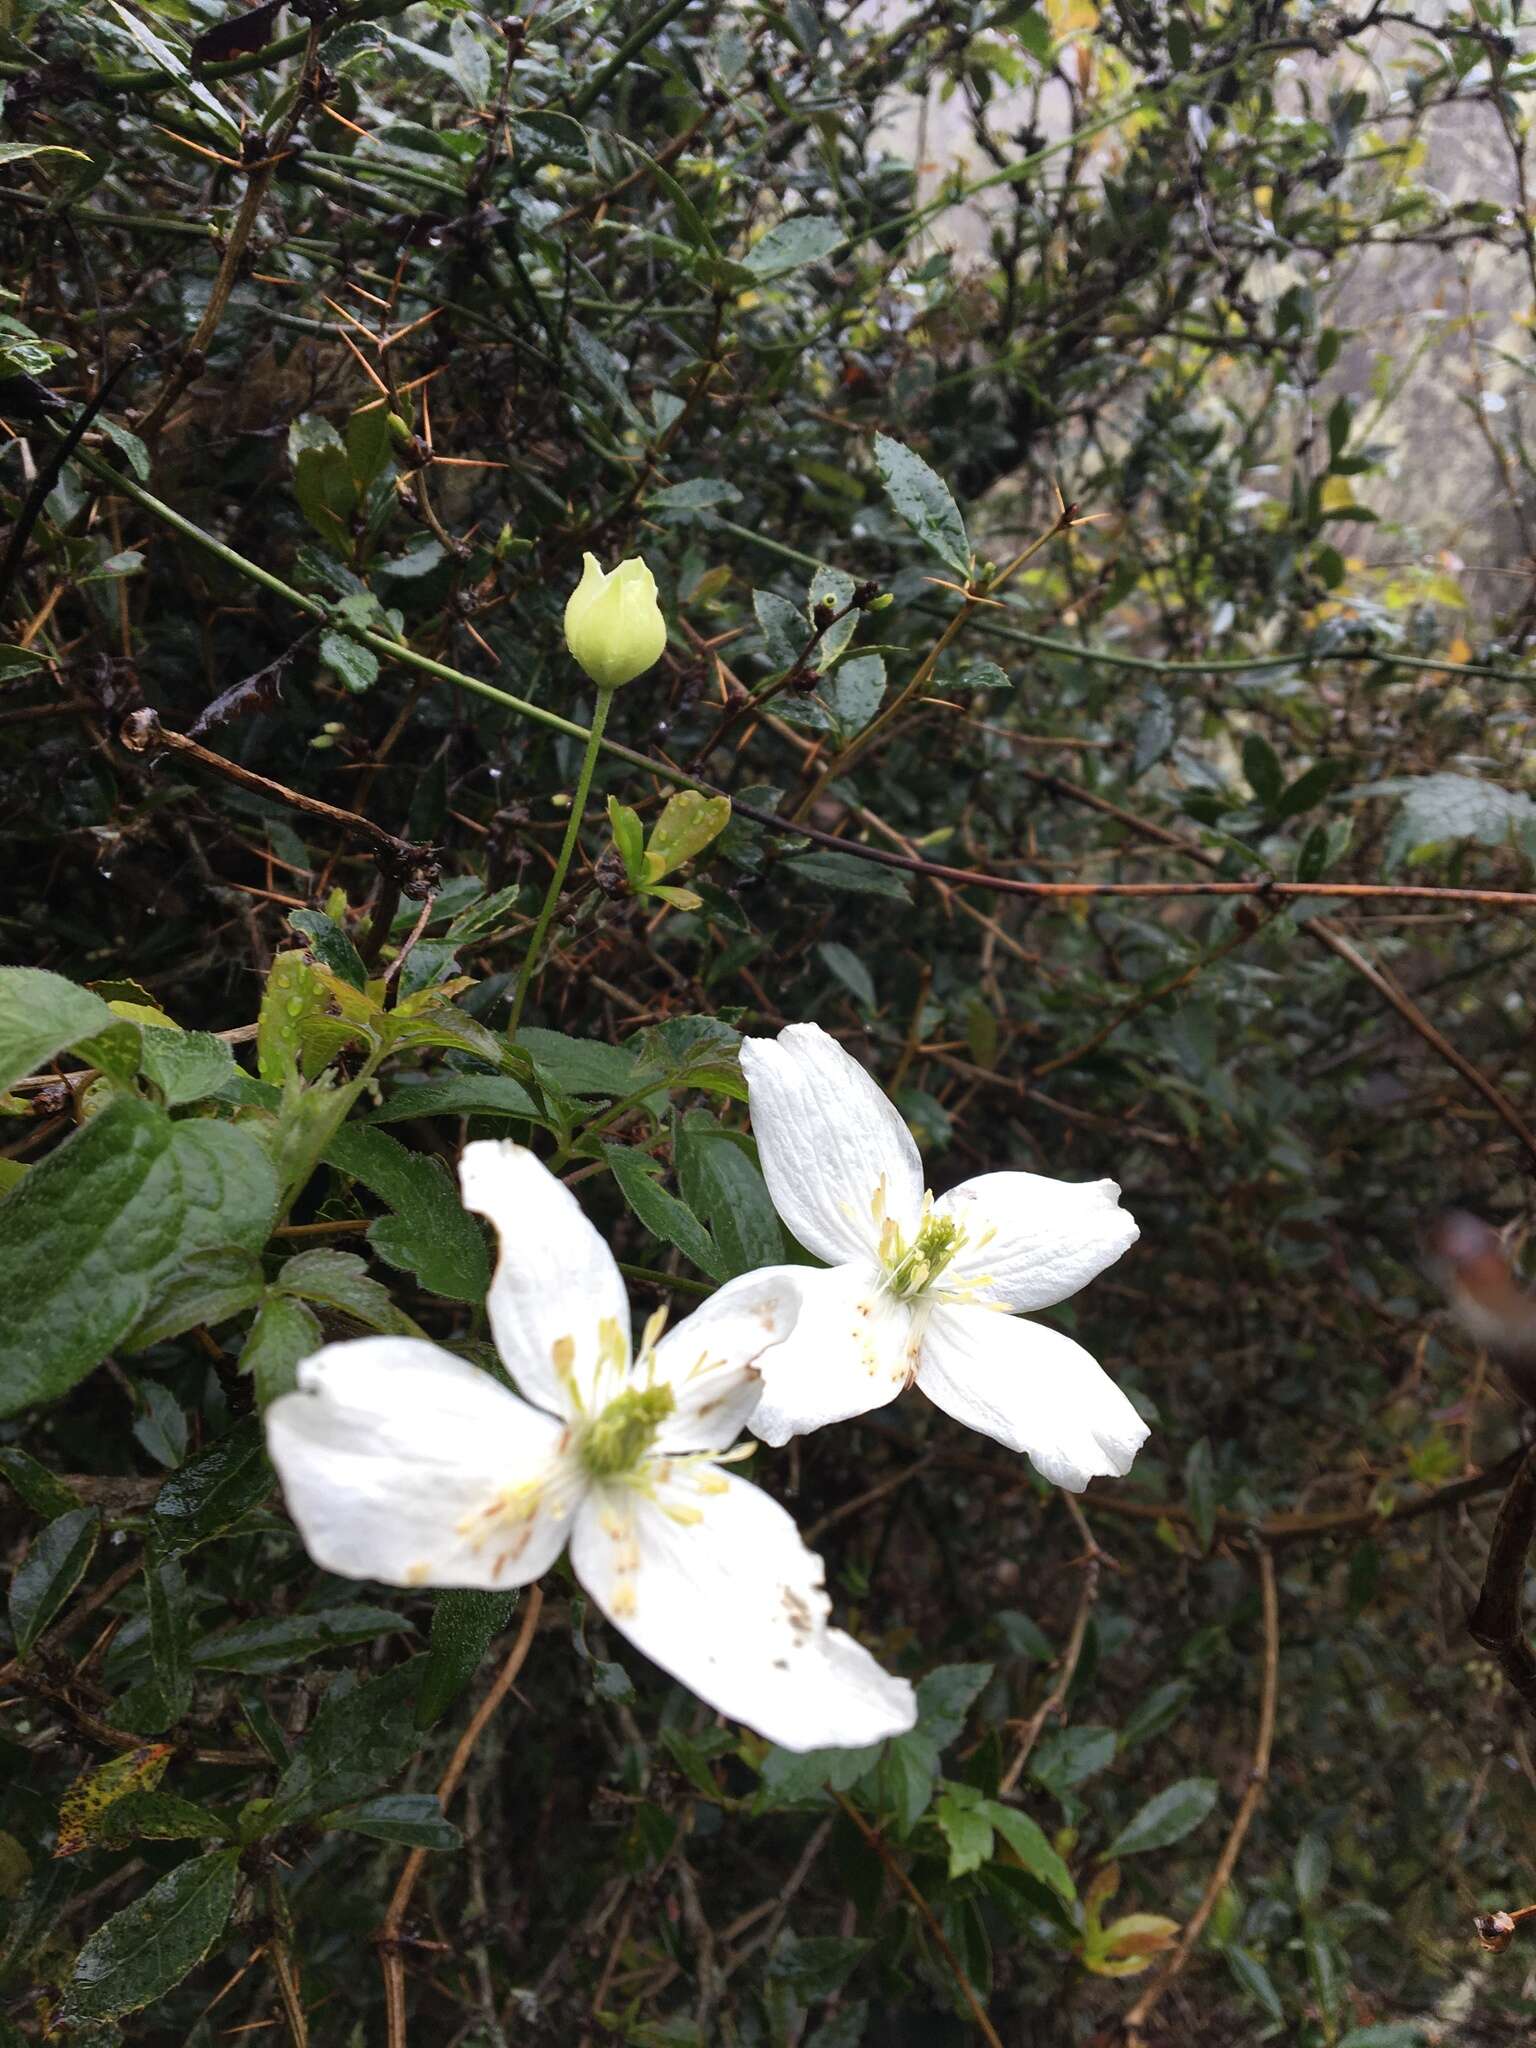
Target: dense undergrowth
(1025, 599)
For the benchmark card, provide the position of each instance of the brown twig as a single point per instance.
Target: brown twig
(1056, 1698)
(1495, 1621)
(1253, 1792)
(878, 1843)
(1412, 1015)
(387, 1939)
(142, 733)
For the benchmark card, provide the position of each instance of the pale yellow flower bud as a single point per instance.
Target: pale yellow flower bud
(613, 624)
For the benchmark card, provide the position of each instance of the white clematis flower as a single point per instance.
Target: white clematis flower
(402, 1463)
(920, 1289)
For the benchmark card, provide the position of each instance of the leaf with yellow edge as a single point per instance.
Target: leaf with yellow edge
(1129, 1945)
(93, 1794)
(686, 826)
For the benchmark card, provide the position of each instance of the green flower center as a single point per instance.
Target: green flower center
(910, 1269)
(616, 1441)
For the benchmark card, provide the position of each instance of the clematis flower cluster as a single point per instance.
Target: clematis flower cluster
(403, 1463)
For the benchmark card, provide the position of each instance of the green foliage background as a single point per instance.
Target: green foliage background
(662, 278)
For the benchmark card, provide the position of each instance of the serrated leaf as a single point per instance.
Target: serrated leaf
(579, 1066)
(464, 1623)
(54, 1565)
(212, 1491)
(330, 945)
(968, 1833)
(1071, 1755)
(186, 1066)
(1167, 1817)
(922, 499)
(38, 1488)
(663, 1215)
(414, 1819)
(144, 1951)
(42, 1015)
(354, 666)
(273, 1643)
(284, 1333)
(459, 1095)
(724, 1186)
(430, 1233)
(357, 1740)
(1445, 810)
(341, 1280)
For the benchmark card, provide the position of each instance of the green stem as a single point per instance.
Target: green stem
(631, 46)
(557, 879)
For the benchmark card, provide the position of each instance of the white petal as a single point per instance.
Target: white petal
(826, 1135)
(722, 1593)
(711, 1359)
(1033, 1390)
(396, 1460)
(853, 1348)
(1048, 1237)
(555, 1282)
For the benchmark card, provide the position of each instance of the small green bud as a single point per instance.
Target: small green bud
(613, 624)
(400, 429)
(883, 602)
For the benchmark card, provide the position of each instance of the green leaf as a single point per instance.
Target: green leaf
(790, 1776)
(207, 1288)
(580, 1066)
(1309, 788)
(1200, 1490)
(1157, 1711)
(273, 1643)
(359, 1738)
(1262, 767)
(212, 1491)
(1309, 1869)
(465, 1621)
(157, 1816)
(1073, 1754)
(1028, 1842)
(294, 997)
(414, 1819)
(354, 666)
(944, 1698)
(459, 1095)
(330, 946)
(170, 1616)
(42, 1015)
(805, 239)
(284, 1333)
(923, 501)
(959, 1812)
(687, 824)
(49, 1573)
(341, 1280)
(785, 629)
(1445, 810)
(815, 1965)
(1385, 2034)
(723, 1184)
(629, 838)
(35, 1486)
(845, 871)
(663, 1215)
(1253, 1978)
(99, 1229)
(15, 152)
(698, 494)
(186, 1066)
(850, 971)
(322, 483)
(141, 1953)
(1167, 1817)
(430, 1233)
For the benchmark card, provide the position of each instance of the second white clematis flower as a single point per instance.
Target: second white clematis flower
(402, 1463)
(921, 1290)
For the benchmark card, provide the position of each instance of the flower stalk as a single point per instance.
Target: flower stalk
(525, 973)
